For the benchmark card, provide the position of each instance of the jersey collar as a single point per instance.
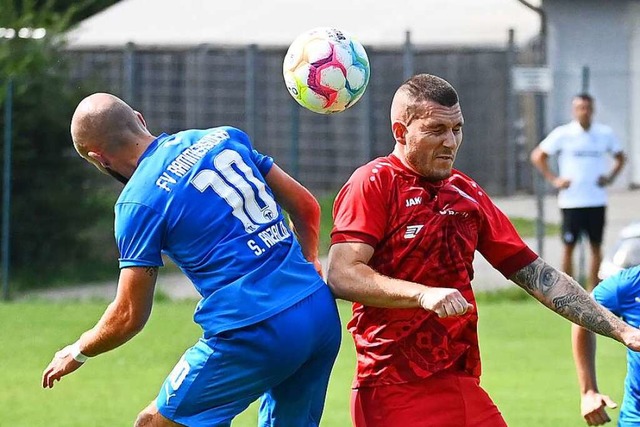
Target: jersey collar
(152, 147)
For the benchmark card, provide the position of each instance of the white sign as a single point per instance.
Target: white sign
(532, 79)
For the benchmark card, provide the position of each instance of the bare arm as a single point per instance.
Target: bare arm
(350, 278)
(565, 296)
(593, 404)
(540, 160)
(303, 210)
(123, 319)
(619, 159)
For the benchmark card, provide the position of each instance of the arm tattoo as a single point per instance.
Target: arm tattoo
(537, 276)
(566, 297)
(151, 271)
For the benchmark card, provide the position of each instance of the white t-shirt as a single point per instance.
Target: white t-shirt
(583, 156)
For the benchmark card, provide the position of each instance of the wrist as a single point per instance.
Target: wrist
(76, 353)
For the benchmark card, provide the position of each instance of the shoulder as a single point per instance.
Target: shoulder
(625, 282)
(564, 130)
(466, 184)
(602, 128)
(380, 170)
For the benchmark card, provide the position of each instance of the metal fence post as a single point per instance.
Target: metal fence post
(6, 188)
(128, 73)
(512, 158)
(294, 153)
(408, 66)
(250, 91)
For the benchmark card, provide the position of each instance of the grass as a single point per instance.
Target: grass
(526, 353)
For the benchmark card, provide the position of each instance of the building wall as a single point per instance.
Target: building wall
(634, 86)
(599, 35)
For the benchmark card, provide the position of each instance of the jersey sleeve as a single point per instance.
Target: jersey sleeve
(499, 242)
(139, 235)
(262, 162)
(551, 144)
(360, 209)
(615, 146)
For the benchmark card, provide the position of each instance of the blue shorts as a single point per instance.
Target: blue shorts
(286, 360)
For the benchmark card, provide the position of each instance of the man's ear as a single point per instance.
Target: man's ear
(399, 131)
(98, 161)
(139, 116)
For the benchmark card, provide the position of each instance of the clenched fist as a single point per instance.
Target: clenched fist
(445, 302)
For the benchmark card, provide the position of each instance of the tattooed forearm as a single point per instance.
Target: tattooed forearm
(578, 307)
(537, 276)
(565, 296)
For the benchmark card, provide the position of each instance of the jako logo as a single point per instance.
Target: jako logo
(414, 201)
(412, 231)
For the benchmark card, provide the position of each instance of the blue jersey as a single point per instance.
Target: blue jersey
(200, 197)
(620, 294)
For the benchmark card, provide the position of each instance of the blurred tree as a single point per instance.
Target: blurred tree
(82, 9)
(61, 212)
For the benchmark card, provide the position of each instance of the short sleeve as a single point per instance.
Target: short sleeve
(263, 163)
(499, 241)
(614, 143)
(359, 210)
(552, 143)
(139, 235)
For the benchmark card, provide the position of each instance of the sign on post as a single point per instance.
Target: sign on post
(532, 79)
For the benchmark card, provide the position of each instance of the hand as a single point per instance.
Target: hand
(62, 364)
(592, 408)
(445, 302)
(561, 183)
(630, 337)
(604, 180)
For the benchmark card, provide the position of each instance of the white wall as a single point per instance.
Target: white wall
(634, 86)
(597, 34)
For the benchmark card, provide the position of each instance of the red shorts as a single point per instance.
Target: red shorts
(443, 400)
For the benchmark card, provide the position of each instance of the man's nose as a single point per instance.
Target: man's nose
(450, 140)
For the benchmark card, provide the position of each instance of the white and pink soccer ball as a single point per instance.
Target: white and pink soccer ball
(326, 70)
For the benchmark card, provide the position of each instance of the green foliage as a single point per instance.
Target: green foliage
(58, 209)
(526, 354)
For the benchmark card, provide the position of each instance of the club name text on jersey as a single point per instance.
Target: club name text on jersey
(189, 157)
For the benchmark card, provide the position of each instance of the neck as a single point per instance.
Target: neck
(129, 159)
(585, 125)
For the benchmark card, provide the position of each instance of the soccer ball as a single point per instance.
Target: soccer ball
(326, 70)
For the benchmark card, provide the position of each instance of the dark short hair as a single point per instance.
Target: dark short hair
(427, 87)
(585, 97)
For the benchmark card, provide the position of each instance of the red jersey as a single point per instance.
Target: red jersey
(426, 233)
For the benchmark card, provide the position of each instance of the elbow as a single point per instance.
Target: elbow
(131, 322)
(335, 281)
(311, 210)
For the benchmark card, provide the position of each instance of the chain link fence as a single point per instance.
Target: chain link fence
(205, 86)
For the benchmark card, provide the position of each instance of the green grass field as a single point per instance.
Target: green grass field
(525, 348)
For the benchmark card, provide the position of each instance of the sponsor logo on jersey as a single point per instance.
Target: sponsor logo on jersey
(412, 231)
(413, 201)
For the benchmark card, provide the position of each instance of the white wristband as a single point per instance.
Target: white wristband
(77, 355)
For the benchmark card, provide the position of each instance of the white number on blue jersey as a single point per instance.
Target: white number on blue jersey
(239, 187)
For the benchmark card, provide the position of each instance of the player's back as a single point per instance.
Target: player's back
(200, 196)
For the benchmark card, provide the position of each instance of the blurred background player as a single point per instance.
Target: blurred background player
(619, 293)
(210, 202)
(406, 230)
(584, 149)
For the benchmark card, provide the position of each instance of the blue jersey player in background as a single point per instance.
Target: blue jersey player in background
(210, 202)
(620, 293)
